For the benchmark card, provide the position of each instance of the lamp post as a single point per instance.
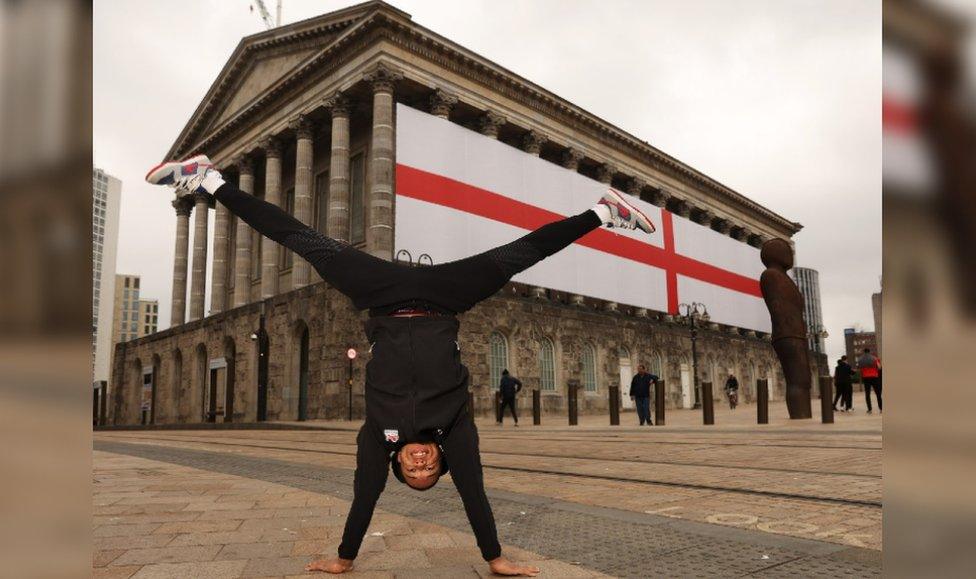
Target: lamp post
(692, 313)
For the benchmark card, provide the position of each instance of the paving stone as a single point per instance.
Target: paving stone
(115, 572)
(276, 566)
(102, 558)
(207, 570)
(125, 530)
(255, 551)
(168, 555)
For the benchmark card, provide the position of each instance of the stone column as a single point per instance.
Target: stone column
(338, 218)
(218, 275)
(441, 103)
(242, 251)
(198, 283)
(300, 269)
(571, 158)
(183, 205)
(490, 123)
(379, 235)
(272, 194)
(605, 173)
(532, 142)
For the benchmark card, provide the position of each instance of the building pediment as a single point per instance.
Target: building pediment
(261, 60)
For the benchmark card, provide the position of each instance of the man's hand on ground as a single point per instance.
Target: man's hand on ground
(502, 566)
(335, 566)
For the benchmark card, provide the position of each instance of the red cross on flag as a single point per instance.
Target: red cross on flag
(460, 193)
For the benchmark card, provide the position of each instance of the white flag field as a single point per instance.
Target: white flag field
(460, 193)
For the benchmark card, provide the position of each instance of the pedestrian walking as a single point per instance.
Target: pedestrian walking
(843, 384)
(509, 386)
(417, 419)
(732, 391)
(870, 367)
(640, 393)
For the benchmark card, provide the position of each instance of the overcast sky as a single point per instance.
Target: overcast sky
(779, 100)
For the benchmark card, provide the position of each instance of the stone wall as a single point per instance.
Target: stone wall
(180, 356)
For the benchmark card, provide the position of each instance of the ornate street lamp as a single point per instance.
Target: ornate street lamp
(690, 314)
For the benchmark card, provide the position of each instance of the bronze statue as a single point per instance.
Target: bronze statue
(785, 304)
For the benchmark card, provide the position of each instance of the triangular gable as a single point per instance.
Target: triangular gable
(262, 73)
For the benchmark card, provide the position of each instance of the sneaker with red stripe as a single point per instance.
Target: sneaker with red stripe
(186, 174)
(624, 214)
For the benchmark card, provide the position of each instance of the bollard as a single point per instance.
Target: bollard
(572, 388)
(708, 406)
(614, 394)
(498, 406)
(762, 401)
(826, 400)
(536, 407)
(659, 403)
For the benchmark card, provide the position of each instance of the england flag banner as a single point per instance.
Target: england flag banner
(459, 193)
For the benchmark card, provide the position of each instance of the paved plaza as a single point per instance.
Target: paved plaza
(787, 499)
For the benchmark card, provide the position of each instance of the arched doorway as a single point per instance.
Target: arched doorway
(156, 364)
(204, 404)
(301, 369)
(264, 349)
(133, 408)
(230, 351)
(176, 387)
(626, 373)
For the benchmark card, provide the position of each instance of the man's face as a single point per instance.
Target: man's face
(420, 464)
(641, 370)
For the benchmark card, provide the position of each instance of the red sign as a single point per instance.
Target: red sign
(351, 353)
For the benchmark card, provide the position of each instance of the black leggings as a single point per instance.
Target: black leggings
(510, 402)
(382, 286)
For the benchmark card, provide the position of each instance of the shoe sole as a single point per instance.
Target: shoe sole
(159, 171)
(640, 214)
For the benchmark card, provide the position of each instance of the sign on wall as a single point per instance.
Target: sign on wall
(460, 193)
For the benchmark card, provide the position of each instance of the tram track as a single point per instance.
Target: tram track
(546, 471)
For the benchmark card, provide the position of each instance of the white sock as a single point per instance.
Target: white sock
(603, 212)
(212, 181)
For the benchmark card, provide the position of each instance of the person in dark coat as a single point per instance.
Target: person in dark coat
(732, 391)
(640, 393)
(509, 387)
(843, 374)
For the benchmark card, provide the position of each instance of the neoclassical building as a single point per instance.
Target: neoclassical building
(303, 116)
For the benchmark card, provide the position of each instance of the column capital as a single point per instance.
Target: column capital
(701, 216)
(721, 224)
(271, 146)
(635, 185)
(338, 105)
(605, 173)
(441, 103)
(679, 206)
(532, 142)
(244, 164)
(302, 125)
(571, 158)
(383, 77)
(491, 122)
(655, 196)
(201, 198)
(183, 205)
(739, 233)
(755, 239)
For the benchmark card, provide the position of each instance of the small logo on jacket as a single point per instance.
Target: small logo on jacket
(392, 435)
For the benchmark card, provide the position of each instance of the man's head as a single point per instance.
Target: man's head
(843, 358)
(419, 465)
(505, 372)
(641, 369)
(867, 350)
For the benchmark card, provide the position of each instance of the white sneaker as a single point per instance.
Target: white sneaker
(623, 214)
(187, 174)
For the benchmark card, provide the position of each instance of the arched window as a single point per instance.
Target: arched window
(655, 365)
(547, 365)
(589, 368)
(498, 357)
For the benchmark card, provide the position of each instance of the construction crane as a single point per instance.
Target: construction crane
(266, 16)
